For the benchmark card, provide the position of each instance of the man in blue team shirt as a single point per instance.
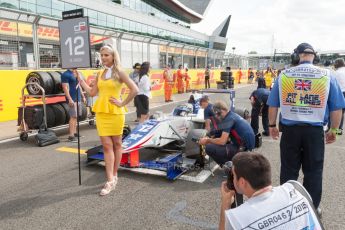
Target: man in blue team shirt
(307, 95)
(258, 99)
(209, 117)
(236, 135)
(69, 84)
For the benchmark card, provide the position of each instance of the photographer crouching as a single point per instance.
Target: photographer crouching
(288, 206)
(236, 135)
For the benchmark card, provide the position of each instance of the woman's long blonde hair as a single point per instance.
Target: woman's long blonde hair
(117, 64)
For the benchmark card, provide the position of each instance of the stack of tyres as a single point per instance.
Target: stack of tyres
(33, 116)
(224, 76)
(82, 111)
(49, 81)
(228, 79)
(66, 109)
(57, 114)
(60, 114)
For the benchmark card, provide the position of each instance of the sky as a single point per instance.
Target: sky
(265, 25)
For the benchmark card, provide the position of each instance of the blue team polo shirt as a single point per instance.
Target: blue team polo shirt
(260, 94)
(335, 101)
(71, 80)
(208, 112)
(233, 121)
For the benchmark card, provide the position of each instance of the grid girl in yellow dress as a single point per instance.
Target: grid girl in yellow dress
(110, 118)
(110, 111)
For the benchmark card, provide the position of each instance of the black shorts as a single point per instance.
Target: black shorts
(142, 104)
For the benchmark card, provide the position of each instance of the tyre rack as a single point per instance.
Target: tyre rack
(91, 115)
(23, 127)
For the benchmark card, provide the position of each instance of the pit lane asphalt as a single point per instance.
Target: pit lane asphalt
(39, 188)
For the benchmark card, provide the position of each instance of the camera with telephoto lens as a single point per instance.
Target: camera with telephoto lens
(227, 167)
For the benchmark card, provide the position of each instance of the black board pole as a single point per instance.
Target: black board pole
(78, 136)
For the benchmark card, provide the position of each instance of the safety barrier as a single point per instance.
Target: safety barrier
(11, 82)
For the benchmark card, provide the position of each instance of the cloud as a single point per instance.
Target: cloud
(279, 24)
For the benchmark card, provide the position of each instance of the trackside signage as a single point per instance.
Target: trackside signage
(75, 43)
(73, 14)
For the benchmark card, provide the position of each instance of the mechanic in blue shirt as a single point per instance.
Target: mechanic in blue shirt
(258, 99)
(69, 84)
(236, 135)
(307, 95)
(209, 116)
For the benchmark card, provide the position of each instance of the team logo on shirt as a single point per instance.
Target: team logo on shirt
(301, 84)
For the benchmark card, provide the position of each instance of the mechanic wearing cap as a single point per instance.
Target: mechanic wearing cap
(236, 135)
(258, 99)
(339, 65)
(307, 95)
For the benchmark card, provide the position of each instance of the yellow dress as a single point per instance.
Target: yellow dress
(268, 79)
(110, 118)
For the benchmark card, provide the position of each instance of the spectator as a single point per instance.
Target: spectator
(267, 207)
(250, 76)
(180, 87)
(261, 80)
(168, 83)
(269, 76)
(207, 77)
(339, 65)
(144, 93)
(187, 80)
(134, 75)
(239, 75)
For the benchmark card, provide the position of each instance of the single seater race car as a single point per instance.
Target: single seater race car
(176, 133)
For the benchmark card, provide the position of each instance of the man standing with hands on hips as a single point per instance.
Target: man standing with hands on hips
(307, 96)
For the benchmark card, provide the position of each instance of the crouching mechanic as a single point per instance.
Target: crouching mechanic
(287, 206)
(258, 99)
(209, 117)
(236, 135)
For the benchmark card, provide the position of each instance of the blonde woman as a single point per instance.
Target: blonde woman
(110, 111)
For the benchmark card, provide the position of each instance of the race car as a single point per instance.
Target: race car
(177, 133)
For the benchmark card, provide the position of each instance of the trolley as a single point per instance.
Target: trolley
(23, 127)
